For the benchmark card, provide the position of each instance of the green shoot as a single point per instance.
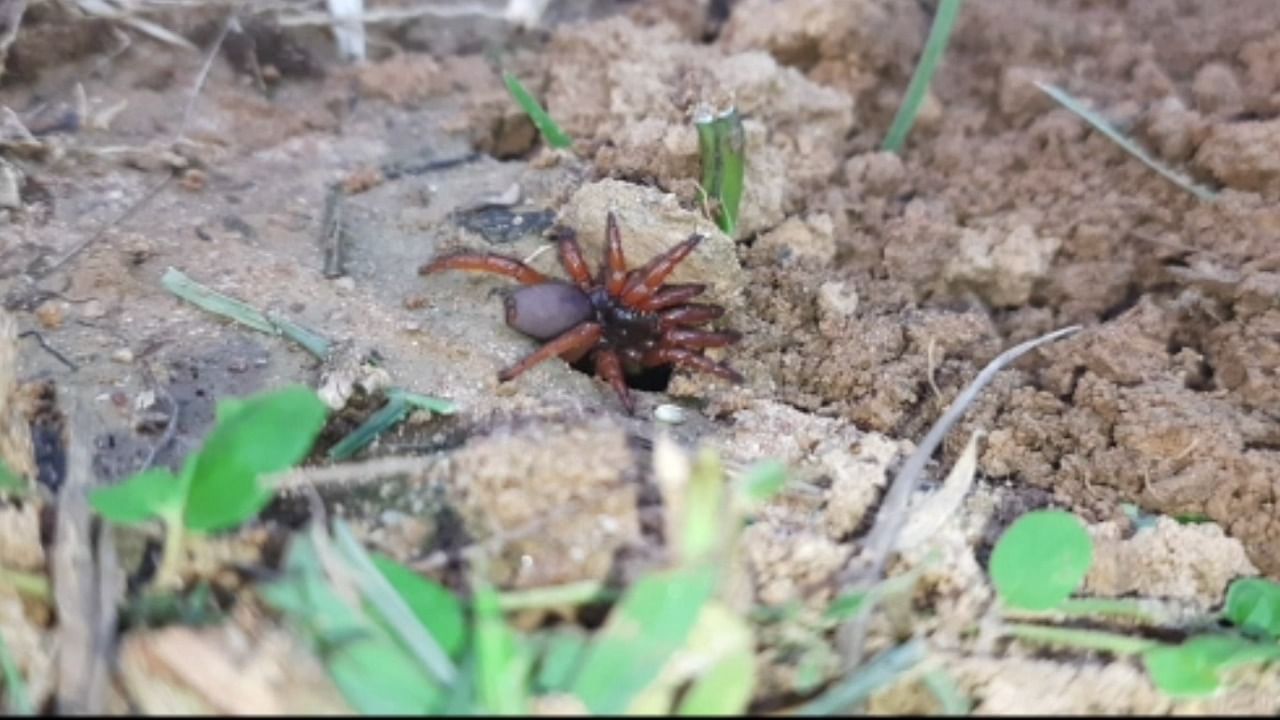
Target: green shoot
(882, 670)
(722, 144)
(221, 486)
(934, 47)
(1108, 130)
(10, 481)
(551, 132)
(17, 702)
(1195, 667)
(212, 301)
(399, 405)
(1041, 559)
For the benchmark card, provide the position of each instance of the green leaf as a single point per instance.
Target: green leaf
(763, 480)
(649, 624)
(502, 662)
(1041, 559)
(1253, 605)
(378, 677)
(722, 144)
(551, 132)
(561, 657)
(373, 672)
(144, 496)
(723, 642)
(263, 434)
(437, 608)
(1194, 668)
(10, 481)
(704, 509)
(846, 606)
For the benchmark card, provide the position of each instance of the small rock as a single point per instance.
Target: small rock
(345, 283)
(123, 355)
(1243, 155)
(809, 239)
(837, 300)
(1002, 267)
(1217, 90)
(193, 180)
(670, 414)
(50, 315)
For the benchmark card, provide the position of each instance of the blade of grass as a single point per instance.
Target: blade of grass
(551, 132)
(944, 689)
(382, 596)
(939, 34)
(15, 688)
(567, 595)
(879, 672)
(208, 299)
(1105, 127)
(384, 419)
(1085, 639)
(723, 148)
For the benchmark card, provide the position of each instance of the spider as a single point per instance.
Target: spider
(625, 320)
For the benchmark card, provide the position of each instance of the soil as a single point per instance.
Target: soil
(870, 287)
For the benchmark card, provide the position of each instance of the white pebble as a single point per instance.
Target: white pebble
(670, 414)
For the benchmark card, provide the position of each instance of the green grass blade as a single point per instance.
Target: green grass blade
(383, 597)
(944, 689)
(551, 132)
(1103, 126)
(15, 688)
(384, 419)
(934, 47)
(722, 143)
(882, 670)
(215, 302)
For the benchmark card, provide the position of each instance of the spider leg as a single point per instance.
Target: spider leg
(691, 360)
(651, 277)
(682, 338)
(609, 367)
(498, 264)
(613, 271)
(575, 339)
(670, 296)
(571, 257)
(687, 315)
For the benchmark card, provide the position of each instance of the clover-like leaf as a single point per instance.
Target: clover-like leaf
(254, 437)
(1194, 668)
(1041, 559)
(1253, 605)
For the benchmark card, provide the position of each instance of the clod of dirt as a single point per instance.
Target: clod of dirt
(811, 238)
(561, 493)
(404, 79)
(180, 670)
(1169, 560)
(651, 222)
(1243, 155)
(629, 94)
(20, 547)
(853, 45)
(1003, 268)
(32, 648)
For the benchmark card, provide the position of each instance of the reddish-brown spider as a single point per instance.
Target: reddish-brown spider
(626, 320)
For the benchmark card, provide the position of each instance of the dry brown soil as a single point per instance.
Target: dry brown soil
(870, 287)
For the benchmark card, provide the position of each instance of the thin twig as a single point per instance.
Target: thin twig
(203, 75)
(128, 213)
(868, 567)
(49, 349)
(333, 233)
(170, 429)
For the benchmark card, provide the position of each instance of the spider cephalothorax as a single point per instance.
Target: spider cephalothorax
(626, 320)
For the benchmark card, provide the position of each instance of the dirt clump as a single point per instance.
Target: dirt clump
(628, 94)
(1167, 560)
(1243, 155)
(563, 492)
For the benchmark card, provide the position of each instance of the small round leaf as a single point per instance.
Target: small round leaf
(1041, 559)
(1253, 605)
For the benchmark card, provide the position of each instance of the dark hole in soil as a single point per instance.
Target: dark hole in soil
(649, 380)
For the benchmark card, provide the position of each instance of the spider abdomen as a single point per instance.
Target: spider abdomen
(547, 310)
